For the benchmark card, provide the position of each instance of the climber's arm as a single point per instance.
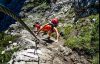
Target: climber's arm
(56, 34)
(41, 28)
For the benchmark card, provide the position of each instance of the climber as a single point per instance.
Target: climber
(50, 28)
(37, 26)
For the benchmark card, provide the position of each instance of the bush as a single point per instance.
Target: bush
(4, 58)
(87, 37)
(96, 59)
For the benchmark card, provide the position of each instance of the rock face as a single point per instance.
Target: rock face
(54, 53)
(86, 7)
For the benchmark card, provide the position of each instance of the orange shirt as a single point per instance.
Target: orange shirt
(47, 28)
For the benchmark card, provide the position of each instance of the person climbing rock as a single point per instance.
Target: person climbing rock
(50, 28)
(36, 26)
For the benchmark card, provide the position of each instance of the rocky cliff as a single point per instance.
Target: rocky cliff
(49, 52)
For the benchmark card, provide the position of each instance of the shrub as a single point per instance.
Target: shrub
(87, 37)
(4, 58)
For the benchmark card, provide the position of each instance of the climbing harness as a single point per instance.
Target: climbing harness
(7, 11)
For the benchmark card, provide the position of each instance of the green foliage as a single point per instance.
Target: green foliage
(33, 4)
(70, 13)
(4, 41)
(66, 30)
(96, 59)
(84, 36)
(41, 5)
(26, 6)
(4, 58)
(61, 20)
(38, 2)
(73, 42)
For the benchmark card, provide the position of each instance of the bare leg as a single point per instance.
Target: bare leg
(49, 34)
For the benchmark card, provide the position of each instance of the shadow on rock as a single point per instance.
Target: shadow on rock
(48, 41)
